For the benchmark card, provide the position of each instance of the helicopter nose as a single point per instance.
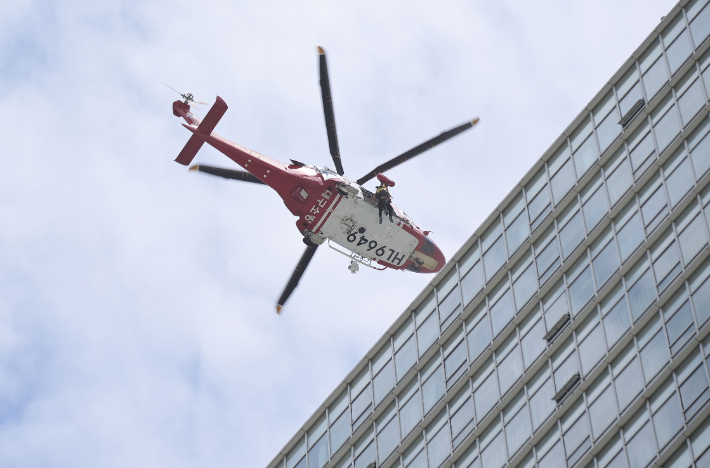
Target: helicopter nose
(439, 257)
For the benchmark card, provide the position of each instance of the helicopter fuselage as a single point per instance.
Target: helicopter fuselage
(330, 207)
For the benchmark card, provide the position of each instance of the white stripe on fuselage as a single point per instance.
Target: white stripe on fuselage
(393, 245)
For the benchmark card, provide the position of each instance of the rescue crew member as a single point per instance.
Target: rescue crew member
(384, 201)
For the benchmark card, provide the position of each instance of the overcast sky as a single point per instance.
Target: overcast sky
(137, 323)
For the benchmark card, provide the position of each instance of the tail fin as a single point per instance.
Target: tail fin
(204, 128)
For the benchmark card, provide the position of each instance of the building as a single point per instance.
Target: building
(572, 328)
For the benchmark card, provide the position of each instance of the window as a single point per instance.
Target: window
(571, 229)
(486, 395)
(642, 288)
(592, 346)
(691, 97)
(561, 173)
(547, 254)
(618, 176)
(479, 336)
(654, 350)
(666, 121)
(616, 315)
(666, 261)
(503, 311)
(581, 287)
(627, 376)
(595, 202)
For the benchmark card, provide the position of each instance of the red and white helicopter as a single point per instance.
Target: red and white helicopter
(330, 207)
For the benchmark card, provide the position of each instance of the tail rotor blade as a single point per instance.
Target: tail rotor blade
(328, 112)
(417, 150)
(296, 276)
(227, 173)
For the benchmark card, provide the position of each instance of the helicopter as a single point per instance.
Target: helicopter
(330, 207)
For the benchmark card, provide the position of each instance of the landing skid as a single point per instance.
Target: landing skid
(355, 259)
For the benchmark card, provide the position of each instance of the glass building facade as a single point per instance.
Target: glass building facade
(572, 329)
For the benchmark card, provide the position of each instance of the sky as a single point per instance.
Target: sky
(137, 319)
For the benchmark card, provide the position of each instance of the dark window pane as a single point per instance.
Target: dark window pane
(428, 333)
(642, 294)
(680, 182)
(691, 102)
(502, 312)
(609, 130)
(585, 157)
(693, 239)
(668, 421)
(340, 431)
(563, 181)
(486, 396)
(479, 338)
(642, 448)
(629, 383)
(495, 258)
(541, 404)
(603, 411)
(592, 349)
(384, 382)
(581, 291)
(679, 51)
(572, 234)
(517, 232)
(410, 414)
(701, 301)
(433, 389)
(472, 283)
(655, 78)
(405, 358)
(700, 27)
(654, 356)
(701, 156)
(631, 236)
(605, 264)
(596, 208)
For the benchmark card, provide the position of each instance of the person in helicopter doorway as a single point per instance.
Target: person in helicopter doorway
(384, 200)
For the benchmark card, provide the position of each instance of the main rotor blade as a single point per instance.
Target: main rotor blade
(417, 150)
(328, 112)
(227, 173)
(296, 276)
